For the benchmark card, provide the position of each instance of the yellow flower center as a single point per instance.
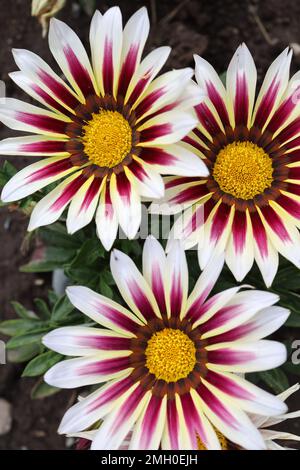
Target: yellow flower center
(243, 170)
(107, 138)
(170, 355)
(222, 439)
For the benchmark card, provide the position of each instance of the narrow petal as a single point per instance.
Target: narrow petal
(240, 84)
(36, 176)
(104, 311)
(154, 268)
(166, 128)
(163, 91)
(133, 287)
(204, 285)
(210, 82)
(134, 38)
(176, 280)
(106, 45)
(121, 420)
(85, 341)
(265, 254)
(261, 325)
(244, 394)
(42, 95)
(89, 370)
(197, 425)
(45, 79)
(147, 180)
(230, 420)
(284, 236)
(33, 145)
(145, 73)
(106, 219)
(71, 56)
(96, 405)
(216, 231)
(148, 430)
(237, 311)
(50, 207)
(246, 357)
(22, 116)
(272, 89)
(126, 203)
(174, 159)
(83, 205)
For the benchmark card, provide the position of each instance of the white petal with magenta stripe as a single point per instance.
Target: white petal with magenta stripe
(106, 44)
(163, 91)
(22, 116)
(85, 341)
(33, 145)
(103, 310)
(248, 357)
(240, 84)
(238, 310)
(154, 267)
(50, 207)
(145, 73)
(89, 370)
(83, 205)
(147, 180)
(36, 176)
(127, 203)
(71, 56)
(176, 280)
(133, 287)
(43, 76)
(120, 421)
(176, 160)
(148, 430)
(230, 420)
(244, 394)
(106, 218)
(96, 405)
(135, 35)
(166, 128)
(272, 89)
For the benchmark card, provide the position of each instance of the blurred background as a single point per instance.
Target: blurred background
(211, 28)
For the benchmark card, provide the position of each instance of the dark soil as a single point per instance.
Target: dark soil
(212, 28)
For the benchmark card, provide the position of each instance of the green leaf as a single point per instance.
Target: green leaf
(105, 289)
(6, 172)
(292, 368)
(40, 364)
(61, 309)
(53, 258)
(42, 390)
(17, 326)
(42, 308)
(276, 379)
(52, 297)
(24, 353)
(57, 235)
(28, 338)
(22, 311)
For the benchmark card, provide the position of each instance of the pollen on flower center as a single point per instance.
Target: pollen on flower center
(243, 170)
(107, 138)
(170, 355)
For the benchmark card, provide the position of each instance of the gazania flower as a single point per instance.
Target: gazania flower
(111, 131)
(169, 360)
(270, 435)
(250, 201)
